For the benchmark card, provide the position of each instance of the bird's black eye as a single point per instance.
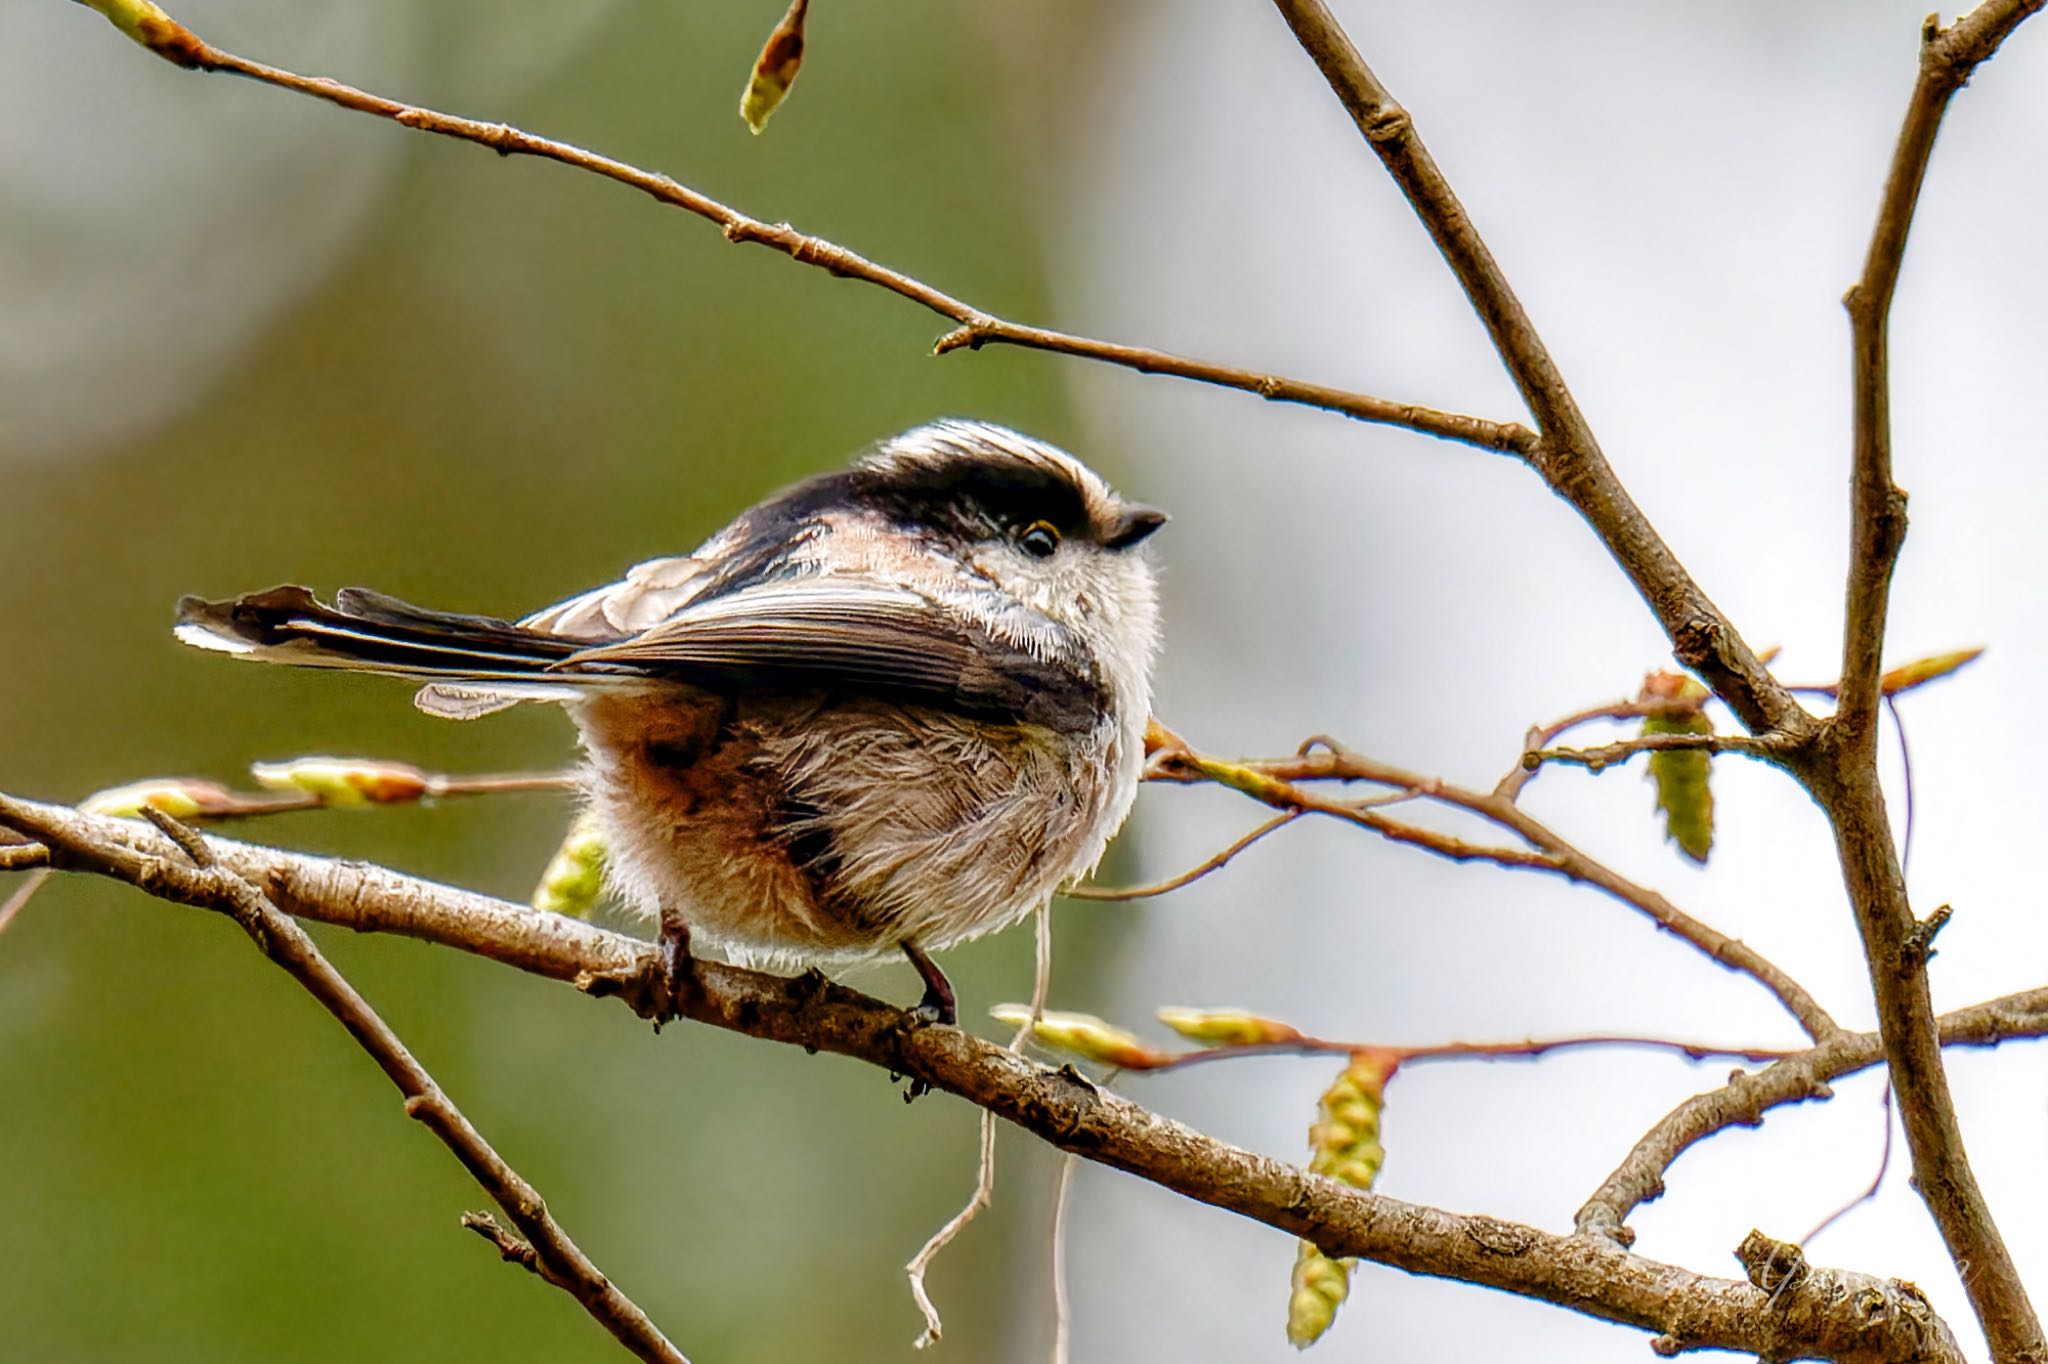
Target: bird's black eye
(1039, 539)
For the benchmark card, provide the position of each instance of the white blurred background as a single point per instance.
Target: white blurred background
(1680, 196)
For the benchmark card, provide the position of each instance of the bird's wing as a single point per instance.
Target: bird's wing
(849, 635)
(649, 594)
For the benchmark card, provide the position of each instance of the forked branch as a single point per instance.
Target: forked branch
(1566, 454)
(1842, 771)
(201, 877)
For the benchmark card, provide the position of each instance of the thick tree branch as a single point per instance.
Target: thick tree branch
(214, 882)
(1829, 1314)
(177, 44)
(1877, 519)
(1567, 456)
(1842, 771)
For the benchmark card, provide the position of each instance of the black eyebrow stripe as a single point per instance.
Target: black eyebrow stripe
(950, 495)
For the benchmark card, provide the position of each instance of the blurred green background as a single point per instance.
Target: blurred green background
(511, 381)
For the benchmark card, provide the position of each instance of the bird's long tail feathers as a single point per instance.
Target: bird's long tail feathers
(476, 664)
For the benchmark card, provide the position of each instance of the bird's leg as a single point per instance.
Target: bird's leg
(938, 1004)
(678, 980)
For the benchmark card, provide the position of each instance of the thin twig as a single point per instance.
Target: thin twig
(984, 1191)
(1273, 782)
(1187, 877)
(1062, 1322)
(23, 893)
(985, 1169)
(1891, 706)
(1747, 1096)
(212, 883)
(1615, 754)
(1884, 1164)
(976, 328)
(511, 1249)
(1302, 1045)
(1566, 455)
(1543, 736)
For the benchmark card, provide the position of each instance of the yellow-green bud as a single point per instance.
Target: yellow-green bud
(1227, 1027)
(177, 798)
(154, 29)
(575, 875)
(344, 781)
(1319, 1287)
(1345, 1142)
(1345, 1145)
(1085, 1036)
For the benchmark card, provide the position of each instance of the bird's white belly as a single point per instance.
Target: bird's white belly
(798, 830)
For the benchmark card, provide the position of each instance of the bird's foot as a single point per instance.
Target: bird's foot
(659, 987)
(678, 985)
(938, 1005)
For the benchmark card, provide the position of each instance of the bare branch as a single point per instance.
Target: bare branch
(1842, 771)
(1530, 1050)
(1747, 1096)
(1543, 736)
(1614, 754)
(1833, 1314)
(179, 45)
(1273, 781)
(1567, 456)
(1877, 511)
(216, 883)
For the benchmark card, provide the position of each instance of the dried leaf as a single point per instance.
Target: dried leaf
(1684, 797)
(1345, 1145)
(1924, 670)
(1085, 1036)
(775, 69)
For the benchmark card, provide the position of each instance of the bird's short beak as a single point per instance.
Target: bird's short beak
(1134, 525)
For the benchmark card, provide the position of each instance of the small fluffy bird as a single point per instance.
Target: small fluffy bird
(889, 709)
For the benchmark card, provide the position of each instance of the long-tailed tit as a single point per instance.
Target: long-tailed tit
(889, 709)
